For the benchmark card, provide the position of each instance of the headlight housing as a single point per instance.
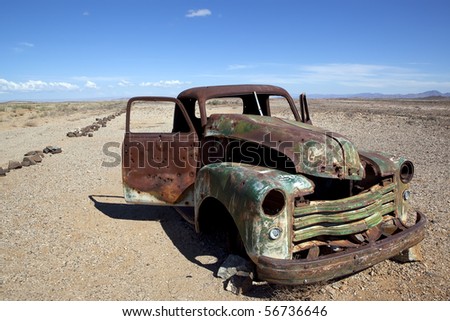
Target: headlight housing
(273, 202)
(406, 172)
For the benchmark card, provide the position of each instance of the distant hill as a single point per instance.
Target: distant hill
(427, 94)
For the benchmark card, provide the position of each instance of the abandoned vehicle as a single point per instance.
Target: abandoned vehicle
(301, 202)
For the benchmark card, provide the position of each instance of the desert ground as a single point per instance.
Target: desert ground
(67, 234)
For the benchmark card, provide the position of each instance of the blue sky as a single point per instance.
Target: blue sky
(88, 49)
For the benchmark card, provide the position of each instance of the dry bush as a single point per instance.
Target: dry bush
(30, 124)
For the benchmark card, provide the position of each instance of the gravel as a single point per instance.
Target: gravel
(68, 235)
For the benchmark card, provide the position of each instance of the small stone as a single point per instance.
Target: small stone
(27, 161)
(239, 283)
(70, 134)
(413, 254)
(232, 265)
(90, 135)
(35, 153)
(2, 172)
(52, 150)
(37, 158)
(14, 165)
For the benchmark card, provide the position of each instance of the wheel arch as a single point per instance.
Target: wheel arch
(211, 215)
(214, 217)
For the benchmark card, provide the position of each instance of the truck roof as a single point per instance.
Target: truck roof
(208, 92)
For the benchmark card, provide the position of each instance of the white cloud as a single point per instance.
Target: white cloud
(198, 13)
(334, 78)
(163, 83)
(26, 44)
(237, 67)
(354, 78)
(124, 83)
(22, 46)
(358, 75)
(35, 85)
(86, 13)
(350, 70)
(90, 84)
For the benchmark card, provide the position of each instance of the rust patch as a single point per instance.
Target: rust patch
(340, 264)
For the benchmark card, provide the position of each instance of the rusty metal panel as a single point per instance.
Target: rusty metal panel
(210, 92)
(354, 227)
(242, 189)
(159, 168)
(312, 150)
(202, 94)
(340, 264)
(347, 216)
(163, 165)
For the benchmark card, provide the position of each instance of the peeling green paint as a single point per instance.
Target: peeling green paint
(342, 229)
(242, 189)
(349, 203)
(313, 150)
(344, 216)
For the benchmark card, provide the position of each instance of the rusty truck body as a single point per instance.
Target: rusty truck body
(302, 202)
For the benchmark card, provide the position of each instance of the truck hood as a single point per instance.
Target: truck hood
(312, 150)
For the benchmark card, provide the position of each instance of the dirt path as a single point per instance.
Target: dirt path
(68, 235)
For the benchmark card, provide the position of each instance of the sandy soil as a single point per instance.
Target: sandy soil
(66, 233)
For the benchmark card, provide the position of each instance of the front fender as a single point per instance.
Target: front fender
(243, 190)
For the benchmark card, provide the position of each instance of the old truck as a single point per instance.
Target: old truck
(301, 202)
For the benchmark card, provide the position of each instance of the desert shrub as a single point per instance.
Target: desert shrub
(30, 124)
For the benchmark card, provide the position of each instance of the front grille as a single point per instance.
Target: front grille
(341, 217)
